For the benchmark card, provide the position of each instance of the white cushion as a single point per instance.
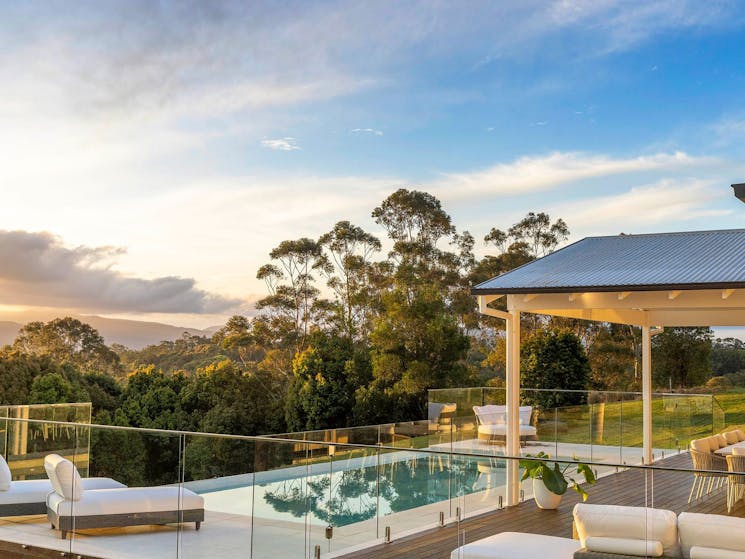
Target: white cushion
(721, 440)
(501, 430)
(490, 414)
(625, 546)
(36, 490)
(64, 476)
(640, 523)
(711, 530)
(516, 545)
(698, 552)
(740, 434)
(700, 445)
(126, 501)
(5, 475)
(731, 437)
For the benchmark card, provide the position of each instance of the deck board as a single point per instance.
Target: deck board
(661, 489)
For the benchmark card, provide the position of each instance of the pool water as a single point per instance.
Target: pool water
(352, 492)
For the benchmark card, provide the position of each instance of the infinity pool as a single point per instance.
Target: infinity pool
(355, 490)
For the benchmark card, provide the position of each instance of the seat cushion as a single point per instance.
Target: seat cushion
(640, 523)
(517, 545)
(500, 430)
(126, 501)
(711, 530)
(721, 440)
(36, 490)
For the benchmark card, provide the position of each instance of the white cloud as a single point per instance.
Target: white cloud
(542, 173)
(281, 144)
(372, 131)
(644, 208)
(38, 270)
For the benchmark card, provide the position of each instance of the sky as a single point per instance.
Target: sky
(153, 153)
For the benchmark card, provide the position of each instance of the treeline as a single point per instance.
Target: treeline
(350, 335)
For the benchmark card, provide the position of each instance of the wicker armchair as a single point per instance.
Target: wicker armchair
(706, 480)
(735, 480)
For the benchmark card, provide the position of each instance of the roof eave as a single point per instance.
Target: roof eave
(605, 288)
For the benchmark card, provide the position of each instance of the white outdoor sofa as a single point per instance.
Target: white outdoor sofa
(28, 497)
(72, 507)
(618, 532)
(492, 420)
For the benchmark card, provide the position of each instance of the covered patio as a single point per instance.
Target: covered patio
(651, 281)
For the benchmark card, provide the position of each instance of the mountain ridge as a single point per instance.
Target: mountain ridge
(134, 334)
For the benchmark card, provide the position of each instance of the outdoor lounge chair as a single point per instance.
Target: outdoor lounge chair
(71, 507)
(492, 420)
(28, 497)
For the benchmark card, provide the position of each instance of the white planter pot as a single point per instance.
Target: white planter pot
(544, 498)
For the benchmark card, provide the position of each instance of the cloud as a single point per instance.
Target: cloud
(367, 131)
(645, 208)
(543, 173)
(281, 144)
(39, 271)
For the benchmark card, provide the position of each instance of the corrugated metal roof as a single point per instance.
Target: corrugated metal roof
(686, 260)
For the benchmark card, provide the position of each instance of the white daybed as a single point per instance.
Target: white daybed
(492, 420)
(71, 507)
(27, 497)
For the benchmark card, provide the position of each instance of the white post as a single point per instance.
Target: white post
(647, 393)
(512, 444)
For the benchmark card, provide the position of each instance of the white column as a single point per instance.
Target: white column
(512, 444)
(647, 393)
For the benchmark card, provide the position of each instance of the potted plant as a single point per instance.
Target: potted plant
(550, 480)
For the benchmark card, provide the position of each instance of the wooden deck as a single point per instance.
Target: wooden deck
(662, 489)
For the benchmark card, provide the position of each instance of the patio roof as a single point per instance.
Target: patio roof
(662, 261)
(665, 279)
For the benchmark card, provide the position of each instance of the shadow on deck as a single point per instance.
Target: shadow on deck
(660, 489)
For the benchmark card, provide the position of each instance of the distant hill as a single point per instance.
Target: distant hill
(134, 334)
(8, 331)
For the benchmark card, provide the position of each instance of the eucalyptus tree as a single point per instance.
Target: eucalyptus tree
(293, 302)
(348, 268)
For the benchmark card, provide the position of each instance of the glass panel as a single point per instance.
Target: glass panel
(287, 512)
(221, 471)
(111, 520)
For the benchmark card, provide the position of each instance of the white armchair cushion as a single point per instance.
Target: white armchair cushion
(721, 440)
(699, 552)
(625, 546)
(490, 414)
(731, 437)
(640, 523)
(711, 531)
(740, 434)
(64, 476)
(5, 475)
(700, 445)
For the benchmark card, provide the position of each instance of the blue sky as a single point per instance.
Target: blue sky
(156, 152)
